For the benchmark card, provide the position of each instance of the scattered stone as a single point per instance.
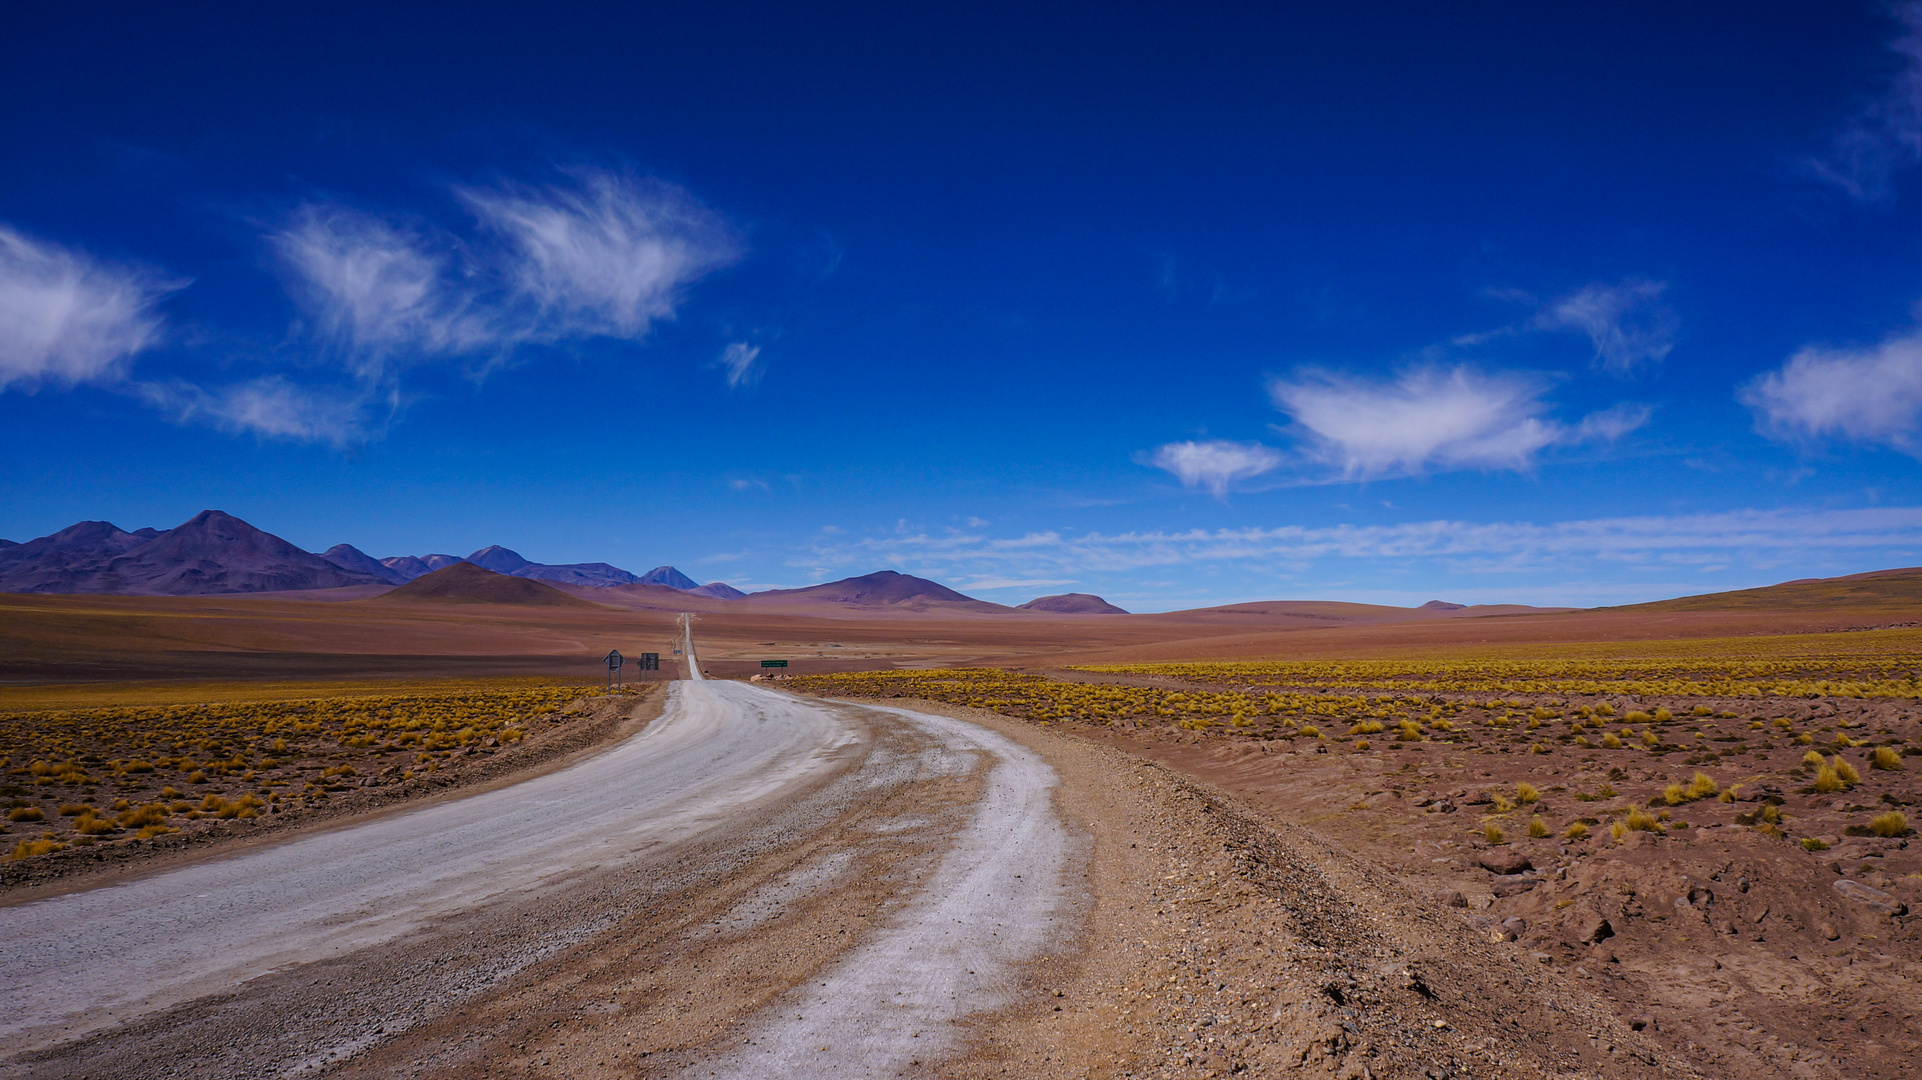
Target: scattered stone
(1871, 897)
(1504, 861)
(1453, 899)
(1829, 932)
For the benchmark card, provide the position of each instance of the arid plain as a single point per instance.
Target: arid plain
(1345, 839)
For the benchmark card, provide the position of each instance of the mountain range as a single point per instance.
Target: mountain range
(217, 553)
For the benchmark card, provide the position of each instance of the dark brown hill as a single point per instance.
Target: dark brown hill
(1074, 603)
(883, 589)
(465, 583)
(1877, 589)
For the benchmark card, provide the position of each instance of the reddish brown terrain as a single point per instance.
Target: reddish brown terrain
(1757, 926)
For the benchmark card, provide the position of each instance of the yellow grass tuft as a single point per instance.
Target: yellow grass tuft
(141, 816)
(1886, 757)
(1618, 830)
(1612, 741)
(1525, 792)
(1703, 786)
(1811, 843)
(1674, 795)
(1637, 716)
(1537, 828)
(1492, 832)
(75, 809)
(1307, 731)
(1846, 770)
(1701, 710)
(1366, 727)
(1649, 738)
(1892, 823)
(1604, 709)
(27, 849)
(88, 825)
(1577, 831)
(1828, 780)
(26, 813)
(1812, 759)
(1410, 731)
(1638, 820)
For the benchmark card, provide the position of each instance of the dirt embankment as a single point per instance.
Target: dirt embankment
(586, 726)
(1739, 952)
(1216, 943)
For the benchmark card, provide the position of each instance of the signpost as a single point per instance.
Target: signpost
(614, 662)
(650, 661)
(774, 663)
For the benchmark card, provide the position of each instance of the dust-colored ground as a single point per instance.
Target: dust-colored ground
(1737, 951)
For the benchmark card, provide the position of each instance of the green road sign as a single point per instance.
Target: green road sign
(774, 663)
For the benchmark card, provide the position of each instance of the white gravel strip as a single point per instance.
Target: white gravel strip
(996, 900)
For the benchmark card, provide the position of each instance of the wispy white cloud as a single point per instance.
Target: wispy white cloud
(609, 256)
(739, 362)
(377, 290)
(271, 406)
(1628, 323)
(1868, 395)
(1214, 464)
(1886, 136)
(1432, 418)
(66, 318)
(1702, 541)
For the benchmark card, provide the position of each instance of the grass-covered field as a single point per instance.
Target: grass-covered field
(86, 773)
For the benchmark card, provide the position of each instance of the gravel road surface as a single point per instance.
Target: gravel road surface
(738, 801)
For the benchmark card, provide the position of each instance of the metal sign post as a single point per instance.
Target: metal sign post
(650, 661)
(614, 662)
(774, 663)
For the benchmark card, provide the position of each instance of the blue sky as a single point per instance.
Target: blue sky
(1181, 305)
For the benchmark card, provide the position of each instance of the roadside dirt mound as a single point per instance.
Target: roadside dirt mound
(1074, 603)
(465, 583)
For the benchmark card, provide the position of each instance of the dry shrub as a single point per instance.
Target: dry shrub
(1703, 786)
(1618, 830)
(1604, 709)
(1612, 741)
(1812, 759)
(1810, 843)
(1701, 710)
(1804, 739)
(1846, 770)
(1649, 738)
(142, 816)
(151, 831)
(1886, 757)
(27, 849)
(1577, 831)
(1828, 780)
(1410, 731)
(1892, 823)
(26, 813)
(1537, 828)
(1525, 792)
(88, 825)
(1637, 716)
(1638, 820)
(1492, 832)
(75, 809)
(1502, 805)
(1307, 731)
(1366, 727)
(1674, 795)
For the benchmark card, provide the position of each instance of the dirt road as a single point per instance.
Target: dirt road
(219, 968)
(762, 885)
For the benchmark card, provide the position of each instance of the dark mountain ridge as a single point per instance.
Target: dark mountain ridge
(212, 552)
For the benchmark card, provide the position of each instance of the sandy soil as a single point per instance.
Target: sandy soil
(1737, 952)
